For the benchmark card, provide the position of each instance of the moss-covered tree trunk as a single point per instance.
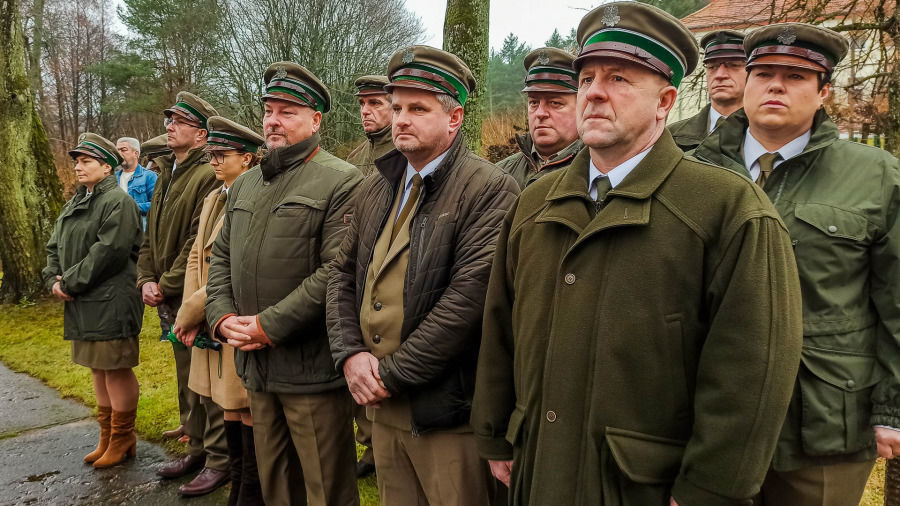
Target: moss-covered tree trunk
(892, 128)
(30, 195)
(466, 35)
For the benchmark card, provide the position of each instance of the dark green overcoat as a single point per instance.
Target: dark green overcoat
(94, 247)
(645, 351)
(689, 133)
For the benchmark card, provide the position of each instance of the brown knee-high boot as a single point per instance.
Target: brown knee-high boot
(122, 440)
(103, 414)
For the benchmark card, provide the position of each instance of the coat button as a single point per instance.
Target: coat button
(832, 228)
(570, 279)
(851, 383)
(376, 339)
(378, 306)
(551, 416)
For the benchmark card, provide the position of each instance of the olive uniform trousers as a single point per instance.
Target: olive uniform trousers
(305, 439)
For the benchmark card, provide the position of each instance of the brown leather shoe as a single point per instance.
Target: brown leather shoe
(205, 482)
(174, 433)
(181, 467)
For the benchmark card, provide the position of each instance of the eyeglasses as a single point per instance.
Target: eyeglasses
(218, 157)
(178, 122)
(729, 65)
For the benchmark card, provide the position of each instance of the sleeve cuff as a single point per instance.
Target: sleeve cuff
(493, 448)
(215, 328)
(688, 494)
(263, 331)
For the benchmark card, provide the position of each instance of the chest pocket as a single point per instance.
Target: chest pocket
(829, 238)
(298, 215)
(831, 221)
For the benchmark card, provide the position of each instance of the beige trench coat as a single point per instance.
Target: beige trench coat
(209, 376)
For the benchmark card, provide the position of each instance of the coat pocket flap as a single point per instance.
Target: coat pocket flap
(244, 205)
(516, 420)
(645, 458)
(847, 371)
(295, 200)
(833, 221)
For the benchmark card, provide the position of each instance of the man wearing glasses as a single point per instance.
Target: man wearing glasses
(186, 177)
(724, 60)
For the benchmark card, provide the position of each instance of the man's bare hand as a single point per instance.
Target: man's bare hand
(501, 469)
(888, 442)
(244, 333)
(363, 380)
(151, 293)
(57, 290)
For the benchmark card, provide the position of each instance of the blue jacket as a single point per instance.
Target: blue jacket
(140, 188)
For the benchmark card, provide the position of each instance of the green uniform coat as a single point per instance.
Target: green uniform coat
(840, 201)
(689, 133)
(525, 170)
(272, 259)
(647, 351)
(376, 145)
(94, 247)
(173, 221)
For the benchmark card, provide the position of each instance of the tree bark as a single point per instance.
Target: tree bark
(37, 47)
(466, 35)
(30, 196)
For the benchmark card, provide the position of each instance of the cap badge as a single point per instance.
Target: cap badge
(787, 36)
(407, 57)
(610, 16)
(81, 138)
(280, 72)
(543, 59)
(722, 37)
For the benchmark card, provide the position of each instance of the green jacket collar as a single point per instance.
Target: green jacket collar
(570, 204)
(279, 160)
(381, 136)
(693, 130)
(104, 185)
(724, 146)
(195, 157)
(526, 146)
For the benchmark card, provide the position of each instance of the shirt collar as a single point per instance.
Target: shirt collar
(428, 169)
(714, 116)
(617, 174)
(753, 149)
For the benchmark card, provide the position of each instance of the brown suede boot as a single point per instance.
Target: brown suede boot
(122, 440)
(103, 414)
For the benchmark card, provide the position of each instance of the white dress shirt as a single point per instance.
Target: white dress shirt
(410, 172)
(714, 116)
(752, 150)
(616, 175)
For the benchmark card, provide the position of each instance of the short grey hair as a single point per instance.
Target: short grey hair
(448, 102)
(134, 143)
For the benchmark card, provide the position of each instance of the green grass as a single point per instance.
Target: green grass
(32, 343)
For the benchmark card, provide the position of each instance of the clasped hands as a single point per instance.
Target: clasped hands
(363, 380)
(243, 332)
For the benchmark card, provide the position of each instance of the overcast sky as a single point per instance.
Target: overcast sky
(531, 20)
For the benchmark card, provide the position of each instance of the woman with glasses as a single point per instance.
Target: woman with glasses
(91, 266)
(233, 150)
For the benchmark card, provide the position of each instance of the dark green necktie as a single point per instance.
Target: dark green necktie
(719, 122)
(604, 185)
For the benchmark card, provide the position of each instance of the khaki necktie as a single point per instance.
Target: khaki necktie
(409, 206)
(220, 203)
(603, 187)
(766, 164)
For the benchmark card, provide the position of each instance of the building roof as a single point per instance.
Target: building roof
(742, 14)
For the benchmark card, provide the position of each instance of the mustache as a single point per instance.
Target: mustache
(275, 131)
